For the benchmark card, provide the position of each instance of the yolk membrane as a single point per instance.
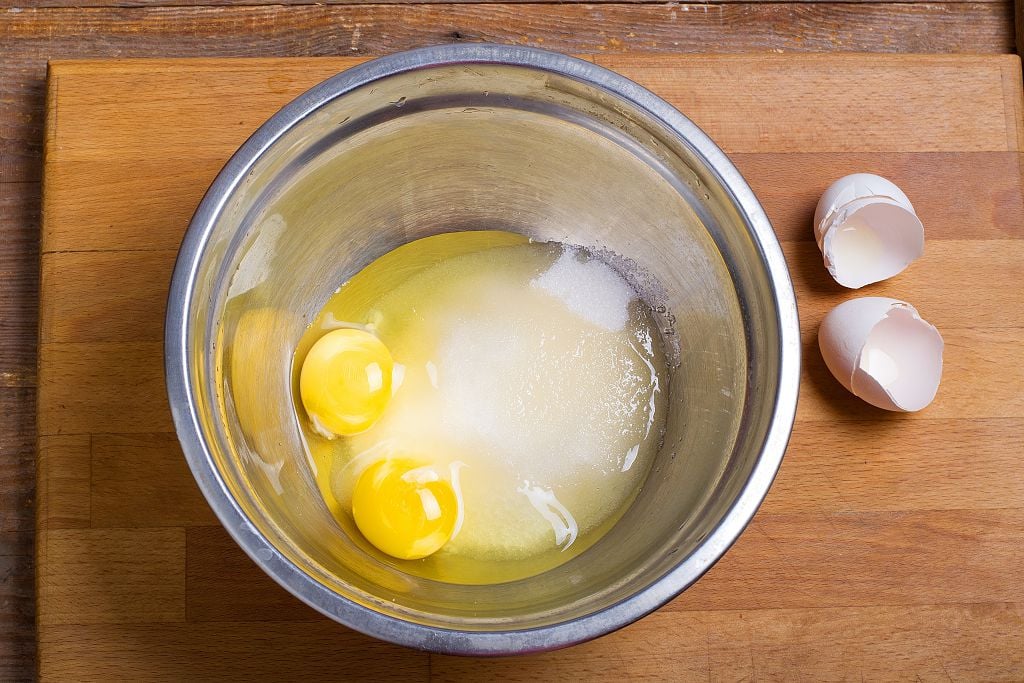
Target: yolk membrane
(345, 382)
(404, 509)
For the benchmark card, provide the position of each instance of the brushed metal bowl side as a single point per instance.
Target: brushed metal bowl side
(479, 137)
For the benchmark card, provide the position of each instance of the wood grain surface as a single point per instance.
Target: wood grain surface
(30, 36)
(33, 31)
(890, 547)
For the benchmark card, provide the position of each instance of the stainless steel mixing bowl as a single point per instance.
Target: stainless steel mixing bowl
(472, 137)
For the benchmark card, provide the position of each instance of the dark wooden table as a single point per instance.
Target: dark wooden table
(30, 35)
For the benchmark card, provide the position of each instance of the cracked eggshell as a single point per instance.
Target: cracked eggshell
(867, 230)
(881, 350)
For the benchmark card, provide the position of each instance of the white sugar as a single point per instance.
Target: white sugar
(589, 288)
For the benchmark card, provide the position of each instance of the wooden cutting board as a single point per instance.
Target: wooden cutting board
(890, 547)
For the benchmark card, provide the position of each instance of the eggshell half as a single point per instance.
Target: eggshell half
(881, 350)
(867, 230)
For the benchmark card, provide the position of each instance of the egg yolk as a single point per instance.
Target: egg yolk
(406, 510)
(345, 382)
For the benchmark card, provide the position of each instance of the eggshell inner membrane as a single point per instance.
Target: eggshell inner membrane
(871, 241)
(900, 365)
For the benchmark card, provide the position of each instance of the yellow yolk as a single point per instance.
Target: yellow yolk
(404, 509)
(345, 382)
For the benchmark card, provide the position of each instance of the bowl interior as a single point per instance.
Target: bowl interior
(469, 147)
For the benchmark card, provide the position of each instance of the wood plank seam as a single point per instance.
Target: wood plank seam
(1013, 85)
